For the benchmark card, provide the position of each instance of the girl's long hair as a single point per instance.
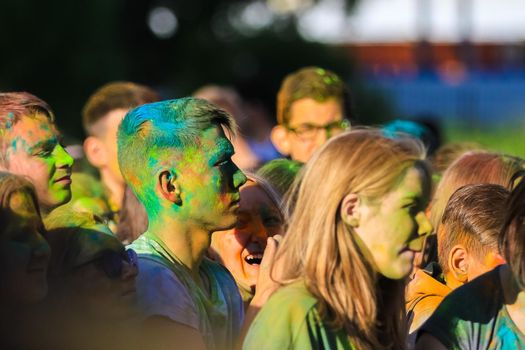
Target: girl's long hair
(321, 250)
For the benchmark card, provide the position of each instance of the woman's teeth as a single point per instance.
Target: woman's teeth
(254, 259)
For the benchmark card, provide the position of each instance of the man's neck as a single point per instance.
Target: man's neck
(187, 242)
(115, 190)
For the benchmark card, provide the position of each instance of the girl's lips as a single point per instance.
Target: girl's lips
(64, 179)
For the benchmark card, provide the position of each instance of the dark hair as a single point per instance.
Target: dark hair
(473, 217)
(311, 82)
(512, 240)
(115, 95)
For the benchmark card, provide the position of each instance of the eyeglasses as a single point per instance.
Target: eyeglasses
(310, 131)
(110, 261)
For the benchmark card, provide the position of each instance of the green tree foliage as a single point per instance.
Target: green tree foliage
(63, 50)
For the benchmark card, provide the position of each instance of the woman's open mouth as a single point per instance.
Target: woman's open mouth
(254, 259)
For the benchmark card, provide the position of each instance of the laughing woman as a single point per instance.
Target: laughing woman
(241, 248)
(356, 222)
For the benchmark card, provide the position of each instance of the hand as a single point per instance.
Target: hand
(265, 284)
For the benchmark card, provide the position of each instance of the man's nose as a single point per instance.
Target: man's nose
(63, 159)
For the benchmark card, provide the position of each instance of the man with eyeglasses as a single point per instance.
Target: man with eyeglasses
(312, 106)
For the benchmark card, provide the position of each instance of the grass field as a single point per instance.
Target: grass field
(509, 138)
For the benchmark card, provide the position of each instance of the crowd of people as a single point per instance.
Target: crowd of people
(171, 228)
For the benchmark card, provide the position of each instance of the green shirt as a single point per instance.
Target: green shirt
(290, 320)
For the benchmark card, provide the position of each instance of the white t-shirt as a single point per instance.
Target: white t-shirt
(165, 288)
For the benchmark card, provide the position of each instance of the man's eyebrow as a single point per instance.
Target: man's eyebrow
(51, 142)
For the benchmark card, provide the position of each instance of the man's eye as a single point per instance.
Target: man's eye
(223, 162)
(305, 128)
(44, 153)
(412, 207)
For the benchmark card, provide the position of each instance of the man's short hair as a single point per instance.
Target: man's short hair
(149, 131)
(473, 217)
(311, 82)
(115, 95)
(14, 106)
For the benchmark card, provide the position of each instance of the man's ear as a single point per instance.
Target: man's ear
(169, 188)
(279, 137)
(95, 151)
(458, 263)
(349, 213)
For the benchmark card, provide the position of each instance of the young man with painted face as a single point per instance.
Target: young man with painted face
(175, 156)
(101, 117)
(312, 106)
(30, 146)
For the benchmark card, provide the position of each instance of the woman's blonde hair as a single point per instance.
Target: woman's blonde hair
(321, 250)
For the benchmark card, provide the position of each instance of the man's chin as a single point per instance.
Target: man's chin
(226, 224)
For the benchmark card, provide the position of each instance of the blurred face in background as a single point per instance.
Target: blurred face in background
(24, 253)
(241, 248)
(310, 125)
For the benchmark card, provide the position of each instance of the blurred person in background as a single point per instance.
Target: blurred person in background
(92, 299)
(356, 222)
(467, 247)
(280, 173)
(24, 258)
(313, 104)
(241, 248)
(447, 154)
(101, 116)
(487, 313)
(31, 146)
(229, 100)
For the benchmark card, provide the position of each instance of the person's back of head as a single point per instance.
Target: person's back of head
(280, 173)
(312, 105)
(469, 232)
(473, 168)
(448, 153)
